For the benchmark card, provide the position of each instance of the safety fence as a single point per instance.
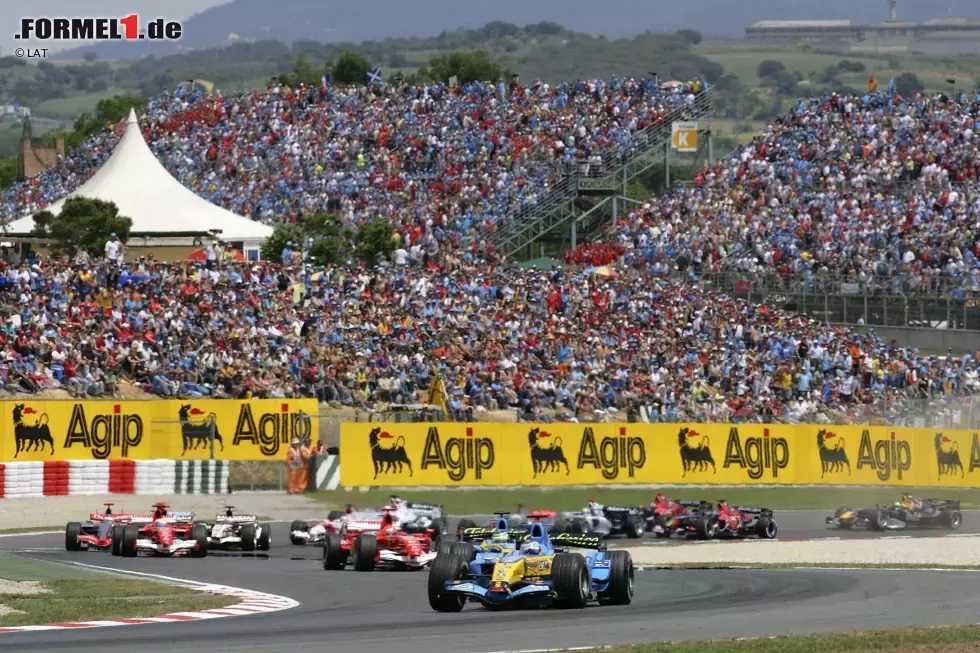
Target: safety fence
(192, 429)
(489, 454)
(101, 477)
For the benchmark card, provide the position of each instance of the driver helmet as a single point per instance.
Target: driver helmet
(396, 501)
(594, 506)
(500, 538)
(161, 523)
(531, 548)
(909, 501)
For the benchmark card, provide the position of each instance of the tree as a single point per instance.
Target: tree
(9, 171)
(107, 110)
(770, 68)
(84, 224)
(689, 35)
(848, 66)
(374, 240)
(90, 56)
(908, 84)
(331, 239)
(351, 68)
(831, 74)
(285, 232)
(474, 66)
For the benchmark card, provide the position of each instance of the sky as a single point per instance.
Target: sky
(11, 11)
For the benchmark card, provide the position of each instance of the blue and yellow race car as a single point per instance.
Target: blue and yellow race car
(542, 571)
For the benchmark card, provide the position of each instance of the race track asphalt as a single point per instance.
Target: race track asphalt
(387, 612)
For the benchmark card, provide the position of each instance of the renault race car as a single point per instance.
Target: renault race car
(96, 533)
(487, 544)
(245, 532)
(541, 572)
(910, 512)
(368, 544)
(603, 520)
(728, 522)
(168, 534)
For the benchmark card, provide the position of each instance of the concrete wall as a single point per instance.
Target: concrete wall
(936, 340)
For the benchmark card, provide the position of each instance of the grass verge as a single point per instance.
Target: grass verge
(482, 502)
(38, 592)
(34, 529)
(921, 640)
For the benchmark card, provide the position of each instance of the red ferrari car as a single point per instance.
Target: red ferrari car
(96, 533)
(367, 544)
(167, 534)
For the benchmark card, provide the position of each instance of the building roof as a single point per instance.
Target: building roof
(156, 202)
(787, 24)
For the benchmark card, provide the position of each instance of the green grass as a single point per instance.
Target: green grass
(34, 529)
(483, 502)
(79, 594)
(897, 639)
(74, 105)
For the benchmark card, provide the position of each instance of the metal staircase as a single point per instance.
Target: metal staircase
(556, 207)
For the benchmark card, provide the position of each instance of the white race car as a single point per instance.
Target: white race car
(245, 532)
(409, 517)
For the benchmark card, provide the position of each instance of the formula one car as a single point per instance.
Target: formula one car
(168, 534)
(729, 522)
(603, 520)
(541, 572)
(368, 544)
(487, 544)
(411, 517)
(96, 533)
(231, 531)
(304, 532)
(910, 512)
(666, 517)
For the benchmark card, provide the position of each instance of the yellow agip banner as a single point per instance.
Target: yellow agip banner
(604, 454)
(142, 430)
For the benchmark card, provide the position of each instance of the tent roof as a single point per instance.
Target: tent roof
(156, 202)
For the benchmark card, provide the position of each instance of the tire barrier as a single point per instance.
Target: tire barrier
(102, 477)
(494, 455)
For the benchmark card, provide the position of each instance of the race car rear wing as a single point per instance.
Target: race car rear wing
(425, 509)
(235, 518)
(517, 534)
(754, 511)
(947, 503)
(579, 541)
(693, 503)
(621, 509)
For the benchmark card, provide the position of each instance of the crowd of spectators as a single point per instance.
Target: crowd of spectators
(560, 344)
(856, 187)
(448, 162)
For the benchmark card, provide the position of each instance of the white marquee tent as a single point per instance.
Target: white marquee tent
(156, 202)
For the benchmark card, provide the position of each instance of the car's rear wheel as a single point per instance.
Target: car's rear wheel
(621, 578)
(635, 526)
(72, 530)
(706, 527)
(766, 528)
(364, 550)
(334, 557)
(952, 519)
(248, 536)
(199, 533)
(463, 525)
(445, 545)
(127, 548)
(880, 521)
(464, 550)
(446, 568)
(570, 580)
(579, 526)
(335, 514)
(264, 543)
(116, 539)
(301, 526)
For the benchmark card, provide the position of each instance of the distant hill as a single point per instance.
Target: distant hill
(350, 22)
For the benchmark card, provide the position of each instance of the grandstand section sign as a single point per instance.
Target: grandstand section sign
(684, 136)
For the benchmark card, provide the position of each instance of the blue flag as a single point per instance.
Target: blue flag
(374, 76)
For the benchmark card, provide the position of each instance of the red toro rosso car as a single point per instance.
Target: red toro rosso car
(167, 534)
(668, 517)
(369, 543)
(729, 522)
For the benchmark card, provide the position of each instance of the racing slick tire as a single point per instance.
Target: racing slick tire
(444, 546)
(705, 528)
(116, 535)
(464, 550)
(334, 557)
(439, 528)
(298, 525)
(446, 568)
(635, 527)
(766, 528)
(952, 519)
(334, 514)
(845, 525)
(570, 580)
(364, 551)
(264, 543)
(880, 522)
(248, 537)
(127, 547)
(72, 530)
(464, 524)
(579, 526)
(199, 533)
(621, 578)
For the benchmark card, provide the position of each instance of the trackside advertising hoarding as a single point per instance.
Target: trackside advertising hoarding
(491, 454)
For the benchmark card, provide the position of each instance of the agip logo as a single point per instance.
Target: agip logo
(196, 428)
(612, 454)
(695, 451)
(104, 433)
(458, 456)
(547, 454)
(833, 455)
(885, 457)
(948, 455)
(31, 432)
(269, 432)
(756, 455)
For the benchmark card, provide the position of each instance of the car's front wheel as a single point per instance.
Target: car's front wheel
(446, 568)
(570, 580)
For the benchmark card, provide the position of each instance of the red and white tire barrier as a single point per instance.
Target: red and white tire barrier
(100, 477)
(252, 603)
